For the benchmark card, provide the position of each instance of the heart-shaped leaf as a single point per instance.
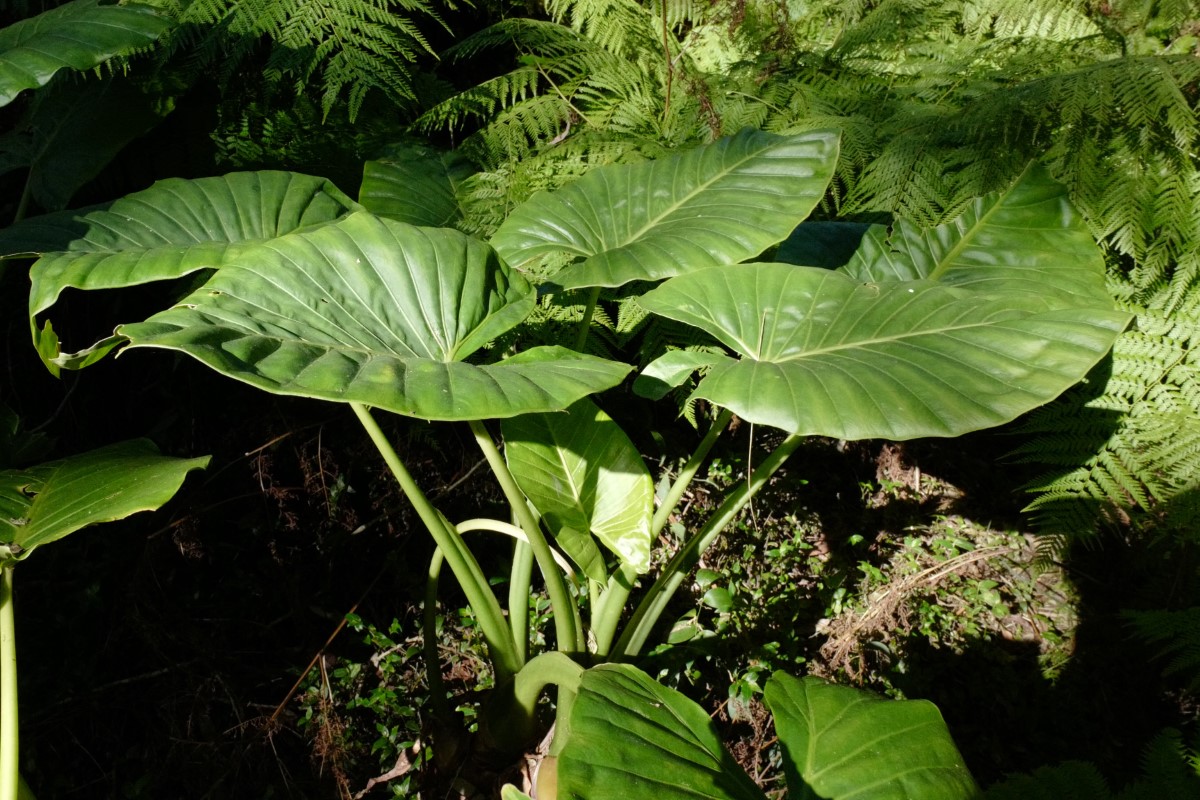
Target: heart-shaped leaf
(632, 738)
(47, 502)
(377, 312)
(171, 229)
(582, 473)
(846, 744)
(717, 204)
(79, 35)
(824, 354)
(1027, 238)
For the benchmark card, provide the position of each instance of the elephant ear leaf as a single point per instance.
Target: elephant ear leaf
(415, 184)
(846, 744)
(923, 333)
(174, 228)
(822, 354)
(374, 311)
(79, 35)
(1027, 238)
(717, 204)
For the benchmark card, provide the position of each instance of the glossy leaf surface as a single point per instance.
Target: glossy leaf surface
(377, 312)
(47, 502)
(846, 744)
(1027, 238)
(717, 204)
(824, 354)
(169, 230)
(414, 185)
(77, 35)
(632, 738)
(582, 473)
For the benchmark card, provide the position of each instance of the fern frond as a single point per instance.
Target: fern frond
(354, 46)
(1177, 634)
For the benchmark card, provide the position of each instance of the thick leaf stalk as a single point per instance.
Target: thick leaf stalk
(501, 646)
(570, 637)
(9, 777)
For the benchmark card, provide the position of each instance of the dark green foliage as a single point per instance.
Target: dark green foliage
(1176, 634)
(1125, 442)
(354, 46)
(1170, 769)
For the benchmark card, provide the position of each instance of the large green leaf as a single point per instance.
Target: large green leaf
(824, 354)
(718, 204)
(74, 129)
(1027, 238)
(416, 185)
(377, 312)
(584, 475)
(846, 744)
(47, 502)
(635, 739)
(171, 229)
(78, 35)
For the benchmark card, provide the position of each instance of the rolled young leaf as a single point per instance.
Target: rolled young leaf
(846, 744)
(378, 312)
(823, 354)
(582, 473)
(42, 504)
(717, 204)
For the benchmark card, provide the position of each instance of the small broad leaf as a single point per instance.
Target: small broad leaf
(174, 228)
(47, 502)
(846, 744)
(378, 312)
(826, 355)
(1027, 238)
(582, 473)
(717, 204)
(416, 185)
(77, 35)
(633, 738)
(669, 370)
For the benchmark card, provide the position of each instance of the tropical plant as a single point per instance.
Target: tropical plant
(301, 291)
(938, 103)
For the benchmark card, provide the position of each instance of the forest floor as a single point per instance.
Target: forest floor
(159, 656)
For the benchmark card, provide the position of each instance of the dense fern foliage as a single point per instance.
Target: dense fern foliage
(354, 46)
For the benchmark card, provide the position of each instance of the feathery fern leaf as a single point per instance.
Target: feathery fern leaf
(355, 46)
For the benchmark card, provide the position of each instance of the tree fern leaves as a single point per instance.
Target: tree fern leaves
(355, 46)
(1129, 441)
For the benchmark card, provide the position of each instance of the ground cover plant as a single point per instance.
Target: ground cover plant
(529, 320)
